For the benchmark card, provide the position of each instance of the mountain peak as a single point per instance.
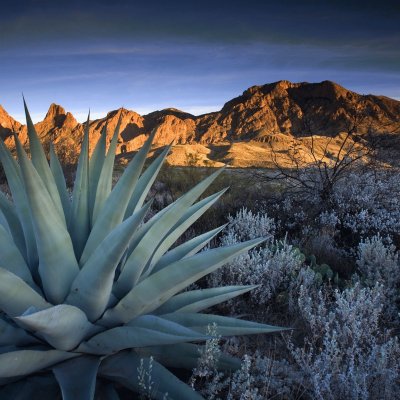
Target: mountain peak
(57, 117)
(120, 111)
(54, 110)
(3, 115)
(6, 121)
(8, 124)
(280, 109)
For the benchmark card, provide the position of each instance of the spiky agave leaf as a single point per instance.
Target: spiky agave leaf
(88, 292)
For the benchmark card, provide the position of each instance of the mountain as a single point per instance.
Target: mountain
(8, 125)
(282, 113)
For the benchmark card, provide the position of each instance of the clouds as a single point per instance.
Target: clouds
(234, 21)
(150, 55)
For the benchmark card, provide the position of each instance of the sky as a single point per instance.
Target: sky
(191, 55)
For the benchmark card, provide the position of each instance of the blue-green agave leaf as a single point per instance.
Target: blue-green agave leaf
(77, 377)
(194, 301)
(53, 323)
(142, 253)
(226, 326)
(41, 164)
(186, 249)
(155, 290)
(127, 337)
(91, 289)
(11, 258)
(145, 182)
(114, 208)
(95, 167)
(3, 222)
(57, 263)
(191, 216)
(59, 178)
(10, 214)
(156, 323)
(105, 179)
(12, 335)
(123, 368)
(138, 236)
(15, 183)
(79, 218)
(16, 296)
(106, 391)
(26, 362)
(35, 387)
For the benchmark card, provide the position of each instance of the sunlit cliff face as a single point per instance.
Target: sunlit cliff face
(261, 126)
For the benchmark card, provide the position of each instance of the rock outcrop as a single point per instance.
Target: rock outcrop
(280, 112)
(8, 125)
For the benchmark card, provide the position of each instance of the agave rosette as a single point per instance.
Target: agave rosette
(89, 291)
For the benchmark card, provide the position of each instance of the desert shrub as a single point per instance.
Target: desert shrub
(246, 224)
(341, 347)
(259, 377)
(369, 203)
(271, 266)
(346, 354)
(323, 247)
(378, 261)
(364, 204)
(205, 377)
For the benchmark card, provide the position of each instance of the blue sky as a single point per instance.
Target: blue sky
(193, 56)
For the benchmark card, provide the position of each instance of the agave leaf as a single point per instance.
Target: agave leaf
(138, 236)
(79, 221)
(191, 216)
(16, 296)
(53, 323)
(77, 377)
(11, 334)
(158, 324)
(13, 173)
(145, 182)
(123, 368)
(140, 256)
(41, 164)
(128, 337)
(114, 208)
(7, 349)
(226, 326)
(25, 362)
(95, 167)
(186, 249)
(91, 289)
(57, 263)
(194, 301)
(59, 178)
(106, 391)
(15, 228)
(3, 222)
(105, 179)
(155, 290)
(186, 355)
(35, 387)
(11, 258)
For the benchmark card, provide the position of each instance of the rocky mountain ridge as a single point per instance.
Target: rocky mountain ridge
(280, 112)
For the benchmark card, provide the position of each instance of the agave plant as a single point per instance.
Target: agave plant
(89, 291)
